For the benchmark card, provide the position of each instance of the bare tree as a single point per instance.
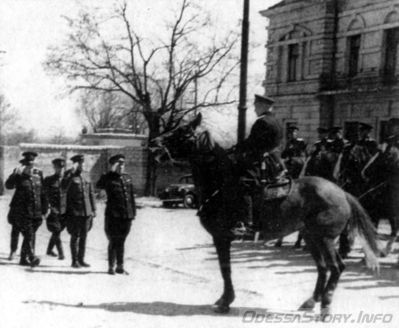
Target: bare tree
(154, 73)
(7, 115)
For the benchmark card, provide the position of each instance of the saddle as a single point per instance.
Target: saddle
(277, 190)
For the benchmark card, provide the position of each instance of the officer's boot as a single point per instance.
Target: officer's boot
(14, 243)
(82, 251)
(74, 252)
(120, 252)
(58, 244)
(24, 253)
(111, 258)
(50, 247)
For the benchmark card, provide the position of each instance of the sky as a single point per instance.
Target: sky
(29, 27)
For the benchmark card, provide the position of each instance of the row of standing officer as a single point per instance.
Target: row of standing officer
(67, 200)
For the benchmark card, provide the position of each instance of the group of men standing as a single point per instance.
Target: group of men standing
(66, 200)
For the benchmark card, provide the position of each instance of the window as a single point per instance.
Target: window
(293, 61)
(391, 51)
(354, 50)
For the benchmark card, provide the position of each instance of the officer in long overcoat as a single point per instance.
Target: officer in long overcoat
(28, 205)
(265, 137)
(80, 209)
(119, 212)
(57, 201)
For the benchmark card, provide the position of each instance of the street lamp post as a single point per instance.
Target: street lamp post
(242, 106)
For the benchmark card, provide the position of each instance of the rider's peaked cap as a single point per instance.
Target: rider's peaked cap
(322, 130)
(116, 158)
(59, 162)
(336, 129)
(394, 121)
(77, 158)
(365, 127)
(264, 100)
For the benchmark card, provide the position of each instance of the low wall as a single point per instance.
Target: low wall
(96, 162)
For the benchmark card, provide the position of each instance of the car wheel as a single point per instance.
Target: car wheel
(189, 201)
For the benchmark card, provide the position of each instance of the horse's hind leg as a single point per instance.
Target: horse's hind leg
(222, 245)
(314, 247)
(393, 236)
(299, 239)
(336, 267)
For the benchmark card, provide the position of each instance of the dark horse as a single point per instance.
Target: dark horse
(317, 206)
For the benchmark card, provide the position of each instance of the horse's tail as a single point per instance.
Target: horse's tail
(361, 223)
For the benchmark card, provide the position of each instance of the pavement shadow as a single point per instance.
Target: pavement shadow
(65, 271)
(8, 263)
(291, 261)
(161, 308)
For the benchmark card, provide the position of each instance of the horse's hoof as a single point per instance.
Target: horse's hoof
(324, 313)
(219, 302)
(278, 244)
(308, 305)
(222, 308)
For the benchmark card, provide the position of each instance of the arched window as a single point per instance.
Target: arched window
(292, 53)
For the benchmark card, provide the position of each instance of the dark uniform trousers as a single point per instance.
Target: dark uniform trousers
(80, 209)
(26, 209)
(119, 213)
(56, 219)
(265, 136)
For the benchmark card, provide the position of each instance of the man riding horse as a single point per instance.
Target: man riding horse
(258, 158)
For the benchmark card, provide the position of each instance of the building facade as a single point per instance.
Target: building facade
(333, 63)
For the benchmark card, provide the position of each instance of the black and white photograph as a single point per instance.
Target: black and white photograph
(199, 163)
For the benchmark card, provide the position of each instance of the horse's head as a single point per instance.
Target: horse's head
(177, 144)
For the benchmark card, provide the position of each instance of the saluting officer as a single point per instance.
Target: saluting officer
(80, 209)
(119, 212)
(28, 205)
(57, 201)
(294, 152)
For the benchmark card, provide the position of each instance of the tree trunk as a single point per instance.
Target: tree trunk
(150, 181)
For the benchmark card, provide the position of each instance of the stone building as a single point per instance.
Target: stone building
(333, 62)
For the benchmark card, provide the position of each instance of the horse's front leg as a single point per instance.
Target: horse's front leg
(222, 245)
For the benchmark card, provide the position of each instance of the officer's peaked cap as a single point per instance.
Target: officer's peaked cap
(264, 100)
(365, 127)
(116, 158)
(60, 162)
(29, 156)
(394, 121)
(322, 130)
(335, 129)
(77, 158)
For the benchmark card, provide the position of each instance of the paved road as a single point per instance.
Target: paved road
(174, 276)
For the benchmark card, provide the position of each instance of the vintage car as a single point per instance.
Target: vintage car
(182, 192)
